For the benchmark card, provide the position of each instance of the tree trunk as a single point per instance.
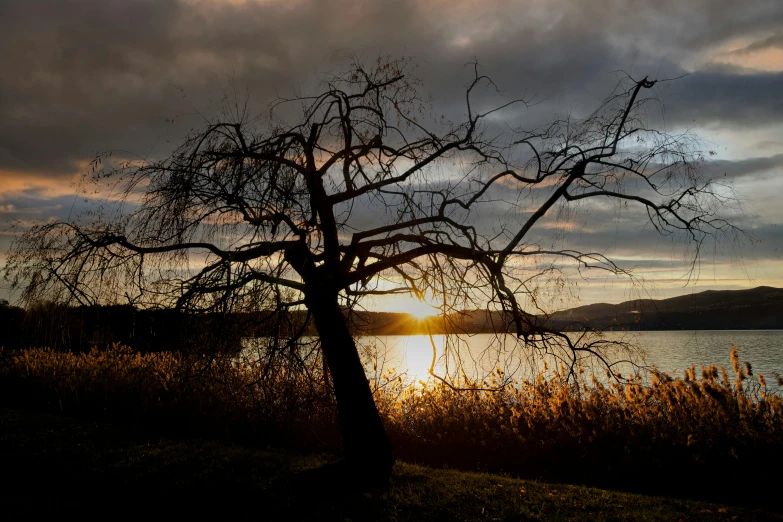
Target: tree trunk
(367, 450)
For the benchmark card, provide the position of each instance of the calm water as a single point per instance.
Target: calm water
(672, 352)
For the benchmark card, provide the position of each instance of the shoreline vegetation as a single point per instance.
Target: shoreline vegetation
(714, 433)
(72, 468)
(80, 328)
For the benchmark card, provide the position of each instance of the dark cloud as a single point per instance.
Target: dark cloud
(717, 169)
(82, 76)
(89, 75)
(739, 100)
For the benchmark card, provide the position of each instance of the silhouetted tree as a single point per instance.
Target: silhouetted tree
(360, 190)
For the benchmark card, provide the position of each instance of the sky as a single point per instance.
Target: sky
(85, 76)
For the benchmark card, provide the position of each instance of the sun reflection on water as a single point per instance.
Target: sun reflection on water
(411, 356)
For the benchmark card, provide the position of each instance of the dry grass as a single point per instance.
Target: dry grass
(683, 429)
(60, 468)
(195, 394)
(693, 430)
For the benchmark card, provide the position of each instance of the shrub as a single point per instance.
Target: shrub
(215, 396)
(694, 430)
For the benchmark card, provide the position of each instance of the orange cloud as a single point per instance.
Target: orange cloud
(567, 226)
(770, 59)
(46, 186)
(765, 55)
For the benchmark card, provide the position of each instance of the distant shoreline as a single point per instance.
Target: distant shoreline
(575, 331)
(755, 310)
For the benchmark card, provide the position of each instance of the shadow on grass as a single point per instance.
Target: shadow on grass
(85, 470)
(63, 468)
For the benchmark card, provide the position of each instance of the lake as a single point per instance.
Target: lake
(411, 356)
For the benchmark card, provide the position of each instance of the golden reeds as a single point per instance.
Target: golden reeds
(547, 422)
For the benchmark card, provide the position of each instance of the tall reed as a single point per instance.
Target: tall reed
(708, 421)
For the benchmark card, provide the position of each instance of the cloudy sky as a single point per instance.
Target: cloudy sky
(84, 76)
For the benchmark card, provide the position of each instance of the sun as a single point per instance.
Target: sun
(408, 304)
(420, 309)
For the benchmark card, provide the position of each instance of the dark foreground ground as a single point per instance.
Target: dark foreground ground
(61, 468)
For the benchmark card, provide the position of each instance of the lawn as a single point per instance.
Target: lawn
(62, 467)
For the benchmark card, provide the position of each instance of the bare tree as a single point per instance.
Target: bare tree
(360, 190)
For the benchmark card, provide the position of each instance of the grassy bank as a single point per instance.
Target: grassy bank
(711, 434)
(73, 468)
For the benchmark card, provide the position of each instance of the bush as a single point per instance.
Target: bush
(203, 395)
(693, 430)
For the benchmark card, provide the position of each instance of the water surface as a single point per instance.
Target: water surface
(411, 356)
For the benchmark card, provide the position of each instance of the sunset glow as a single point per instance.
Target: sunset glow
(391, 260)
(109, 91)
(420, 309)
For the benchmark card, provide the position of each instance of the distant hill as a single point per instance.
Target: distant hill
(756, 308)
(80, 328)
